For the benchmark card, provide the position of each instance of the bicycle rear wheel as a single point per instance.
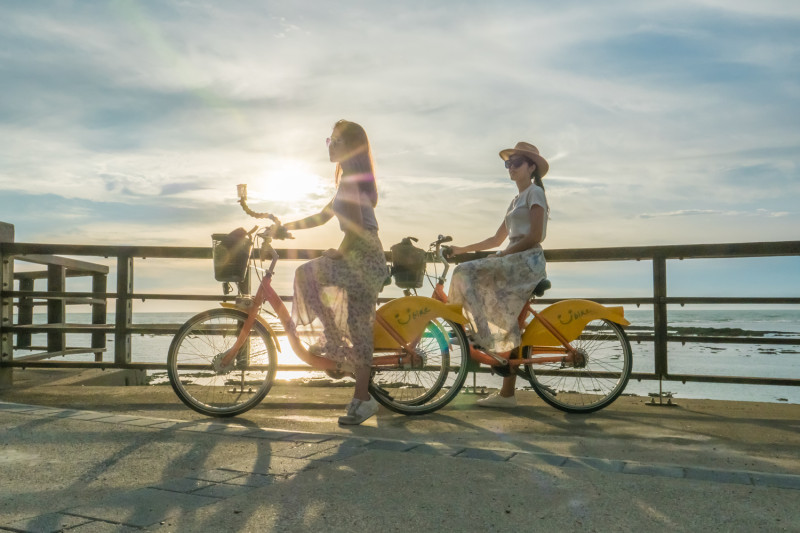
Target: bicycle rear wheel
(431, 385)
(590, 386)
(194, 364)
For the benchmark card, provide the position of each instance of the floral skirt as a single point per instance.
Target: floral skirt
(335, 300)
(493, 291)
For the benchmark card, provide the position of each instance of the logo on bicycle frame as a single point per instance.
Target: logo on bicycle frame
(412, 315)
(573, 315)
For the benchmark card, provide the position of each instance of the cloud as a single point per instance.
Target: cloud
(712, 212)
(659, 112)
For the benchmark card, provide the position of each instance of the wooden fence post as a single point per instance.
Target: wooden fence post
(122, 336)
(660, 315)
(6, 307)
(99, 309)
(56, 308)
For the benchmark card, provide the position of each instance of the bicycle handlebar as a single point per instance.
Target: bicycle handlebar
(440, 251)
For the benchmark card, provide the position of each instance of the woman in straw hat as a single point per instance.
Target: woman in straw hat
(494, 290)
(335, 295)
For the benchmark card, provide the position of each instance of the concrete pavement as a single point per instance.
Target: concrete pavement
(85, 459)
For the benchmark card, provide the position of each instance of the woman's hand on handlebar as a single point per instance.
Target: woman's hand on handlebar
(279, 232)
(450, 251)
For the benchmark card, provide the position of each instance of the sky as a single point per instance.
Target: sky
(664, 122)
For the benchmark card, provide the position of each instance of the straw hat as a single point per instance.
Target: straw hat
(529, 151)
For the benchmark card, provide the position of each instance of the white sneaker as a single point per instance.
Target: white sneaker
(495, 400)
(358, 411)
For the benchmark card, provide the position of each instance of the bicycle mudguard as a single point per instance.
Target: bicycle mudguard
(569, 317)
(409, 316)
(260, 319)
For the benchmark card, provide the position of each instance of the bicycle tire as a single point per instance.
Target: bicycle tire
(594, 386)
(422, 390)
(221, 392)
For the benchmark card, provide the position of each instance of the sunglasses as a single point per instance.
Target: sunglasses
(329, 141)
(516, 162)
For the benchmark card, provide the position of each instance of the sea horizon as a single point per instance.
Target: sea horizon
(701, 358)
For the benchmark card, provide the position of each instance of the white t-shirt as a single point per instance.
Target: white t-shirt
(518, 217)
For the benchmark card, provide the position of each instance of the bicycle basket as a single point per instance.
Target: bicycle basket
(408, 264)
(231, 252)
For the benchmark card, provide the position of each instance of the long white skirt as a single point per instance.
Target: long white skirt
(493, 291)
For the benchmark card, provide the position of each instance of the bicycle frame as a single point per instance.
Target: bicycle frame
(539, 326)
(399, 351)
(397, 338)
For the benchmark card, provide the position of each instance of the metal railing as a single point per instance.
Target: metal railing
(123, 327)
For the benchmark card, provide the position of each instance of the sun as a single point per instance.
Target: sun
(291, 183)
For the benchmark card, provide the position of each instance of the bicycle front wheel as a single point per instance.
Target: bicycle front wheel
(195, 368)
(593, 383)
(435, 382)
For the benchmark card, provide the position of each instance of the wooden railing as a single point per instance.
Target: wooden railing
(124, 295)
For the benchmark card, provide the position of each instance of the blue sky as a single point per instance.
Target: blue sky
(665, 122)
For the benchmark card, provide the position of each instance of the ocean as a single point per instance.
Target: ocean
(757, 360)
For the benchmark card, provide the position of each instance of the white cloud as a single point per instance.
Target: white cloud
(156, 105)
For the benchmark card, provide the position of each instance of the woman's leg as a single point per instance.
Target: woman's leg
(509, 386)
(361, 391)
(309, 280)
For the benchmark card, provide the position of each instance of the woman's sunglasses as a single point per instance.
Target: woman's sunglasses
(516, 162)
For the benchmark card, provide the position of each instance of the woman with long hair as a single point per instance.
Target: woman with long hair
(335, 295)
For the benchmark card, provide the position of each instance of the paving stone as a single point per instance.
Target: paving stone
(354, 442)
(390, 445)
(653, 470)
(88, 415)
(237, 431)
(43, 412)
(183, 484)
(203, 427)
(143, 422)
(103, 527)
(46, 523)
(719, 476)
(535, 459)
(168, 424)
(308, 437)
(65, 413)
(437, 449)
(337, 453)
(270, 434)
(18, 407)
(117, 419)
(594, 463)
(486, 455)
(252, 480)
(216, 475)
(781, 481)
(140, 508)
(224, 491)
(304, 450)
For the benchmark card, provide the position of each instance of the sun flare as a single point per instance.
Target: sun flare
(291, 183)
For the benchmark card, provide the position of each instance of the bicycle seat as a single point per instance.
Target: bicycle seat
(541, 287)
